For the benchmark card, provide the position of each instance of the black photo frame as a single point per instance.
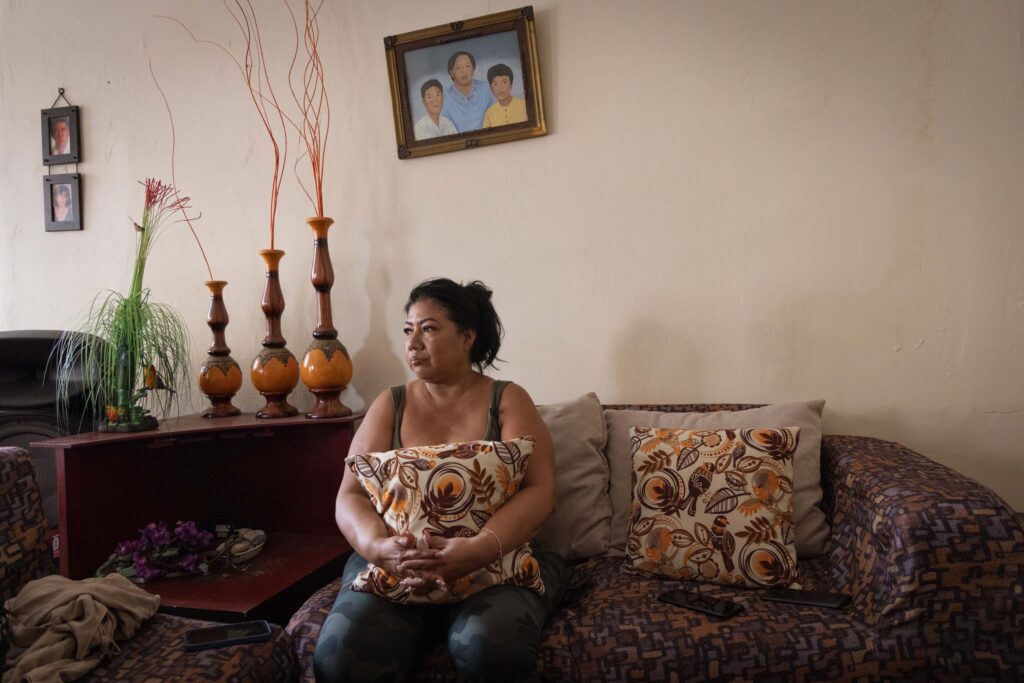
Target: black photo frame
(57, 150)
(62, 202)
(420, 63)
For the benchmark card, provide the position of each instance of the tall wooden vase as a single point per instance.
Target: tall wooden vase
(220, 378)
(275, 372)
(326, 367)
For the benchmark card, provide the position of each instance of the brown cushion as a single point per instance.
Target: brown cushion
(812, 530)
(446, 490)
(713, 506)
(580, 526)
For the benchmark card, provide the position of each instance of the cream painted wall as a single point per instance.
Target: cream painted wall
(738, 201)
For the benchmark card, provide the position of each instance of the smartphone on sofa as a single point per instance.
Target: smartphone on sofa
(716, 607)
(227, 634)
(804, 597)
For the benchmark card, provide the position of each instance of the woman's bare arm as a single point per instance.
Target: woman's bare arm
(521, 516)
(353, 512)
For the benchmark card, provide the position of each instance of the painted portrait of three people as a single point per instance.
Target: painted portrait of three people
(457, 100)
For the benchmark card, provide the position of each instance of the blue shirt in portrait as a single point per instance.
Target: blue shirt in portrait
(467, 113)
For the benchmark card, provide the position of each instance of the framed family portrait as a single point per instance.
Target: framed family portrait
(62, 202)
(60, 136)
(466, 84)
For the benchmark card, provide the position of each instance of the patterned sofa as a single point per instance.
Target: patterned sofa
(154, 653)
(934, 562)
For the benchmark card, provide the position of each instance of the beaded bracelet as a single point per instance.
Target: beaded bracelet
(496, 540)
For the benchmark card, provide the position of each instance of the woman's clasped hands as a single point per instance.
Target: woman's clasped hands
(430, 562)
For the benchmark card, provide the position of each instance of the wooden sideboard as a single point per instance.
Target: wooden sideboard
(280, 475)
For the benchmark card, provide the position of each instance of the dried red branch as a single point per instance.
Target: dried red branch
(314, 107)
(262, 93)
(238, 64)
(313, 125)
(253, 69)
(181, 204)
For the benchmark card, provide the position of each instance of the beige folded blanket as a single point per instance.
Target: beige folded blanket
(61, 629)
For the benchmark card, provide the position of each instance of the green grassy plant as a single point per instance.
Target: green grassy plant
(130, 353)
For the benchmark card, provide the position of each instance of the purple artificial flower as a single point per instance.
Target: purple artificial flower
(190, 562)
(191, 537)
(159, 550)
(186, 532)
(142, 568)
(155, 535)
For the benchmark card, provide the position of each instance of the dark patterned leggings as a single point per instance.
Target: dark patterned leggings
(493, 635)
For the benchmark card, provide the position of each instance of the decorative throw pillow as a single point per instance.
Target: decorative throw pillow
(449, 490)
(580, 526)
(714, 506)
(812, 531)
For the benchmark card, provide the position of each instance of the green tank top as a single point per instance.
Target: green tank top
(493, 432)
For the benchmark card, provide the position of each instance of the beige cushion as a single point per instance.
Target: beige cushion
(812, 530)
(447, 490)
(713, 506)
(580, 526)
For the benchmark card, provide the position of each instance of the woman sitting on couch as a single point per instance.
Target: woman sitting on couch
(452, 333)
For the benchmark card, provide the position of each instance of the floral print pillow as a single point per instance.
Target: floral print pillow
(713, 506)
(448, 490)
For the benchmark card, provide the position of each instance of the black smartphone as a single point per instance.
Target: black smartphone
(716, 607)
(227, 634)
(801, 597)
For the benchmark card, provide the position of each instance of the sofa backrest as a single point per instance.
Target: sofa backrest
(812, 529)
(593, 467)
(683, 407)
(581, 525)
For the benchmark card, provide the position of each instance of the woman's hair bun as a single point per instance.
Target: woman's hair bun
(479, 289)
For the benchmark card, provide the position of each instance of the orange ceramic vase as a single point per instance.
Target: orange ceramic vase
(275, 372)
(220, 378)
(326, 367)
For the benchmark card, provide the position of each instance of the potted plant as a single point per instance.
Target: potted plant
(131, 351)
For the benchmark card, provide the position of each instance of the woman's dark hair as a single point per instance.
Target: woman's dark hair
(432, 83)
(470, 308)
(451, 63)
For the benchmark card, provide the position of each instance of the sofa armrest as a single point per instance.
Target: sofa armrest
(913, 540)
(24, 550)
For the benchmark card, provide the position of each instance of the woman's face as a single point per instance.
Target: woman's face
(435, 347)
(62, 198)
(462, 70)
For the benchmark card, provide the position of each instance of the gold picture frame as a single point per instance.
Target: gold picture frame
(430, 65)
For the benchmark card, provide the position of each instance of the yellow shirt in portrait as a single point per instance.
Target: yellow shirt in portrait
(498, 115)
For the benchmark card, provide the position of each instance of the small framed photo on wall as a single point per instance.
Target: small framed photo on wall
(62, 202)
(60, 136)
(466, 84)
